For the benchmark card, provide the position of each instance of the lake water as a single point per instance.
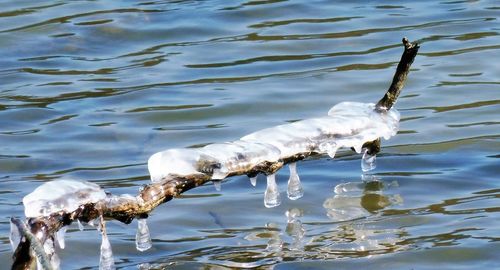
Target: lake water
(90, 89)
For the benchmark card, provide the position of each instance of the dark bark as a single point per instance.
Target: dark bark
(400, 76)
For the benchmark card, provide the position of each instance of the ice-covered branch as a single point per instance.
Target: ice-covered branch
(54, 205)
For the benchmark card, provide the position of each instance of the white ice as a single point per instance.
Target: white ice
(368, 162)
(61, 195)
(217, 185)
(14, 236)
(142, 237)
(174, 162)
(294, 190)
(106, 261)
(289, 139)
(239, 156)
(116, 200)
(253, 181)
(49, 248)
(80, 225)
(348, 124)
(272, 196)
(60, 237)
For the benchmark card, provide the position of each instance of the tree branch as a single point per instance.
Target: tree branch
(126, 207)
(399, 79)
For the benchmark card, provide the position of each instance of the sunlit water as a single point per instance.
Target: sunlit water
(90, 89)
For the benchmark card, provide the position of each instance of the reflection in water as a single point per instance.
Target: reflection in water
(355, 200)
(295, 229)
(352, 202)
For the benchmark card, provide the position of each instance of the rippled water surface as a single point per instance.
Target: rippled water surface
(90, 89)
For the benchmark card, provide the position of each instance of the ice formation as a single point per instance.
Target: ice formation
(295, 190)
(61, 195)
(253, 180)
(239, 156)
(14, 236)
(348, 124)
(176, 162)
(80, 225)
(142, 237)
(217, 185)
(106, 261)
(60, 237)
(368, 161)
(272, 196)
(50, 250)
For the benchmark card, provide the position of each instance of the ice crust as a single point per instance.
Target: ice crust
(348, 124)
(239, 156)
(61, 195)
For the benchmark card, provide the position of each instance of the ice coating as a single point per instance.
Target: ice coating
(61, 195)
(294, 190)
(50, 250)
(290, 139)
(364, 123)
(253, 181)
(14, 236)
(106, 261)
(80, 225)
(60, 237)
(174, 162)
(217, 185)
(348, 124)
(239, 156)
(142, 237)
(368, 162)
(272, 196)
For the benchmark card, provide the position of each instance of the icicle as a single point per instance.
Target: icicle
(272, 196)
(295, 190)
(14, 236)
(60, 237)
(220, 173)
(142, 237)
(328, 147)
(253, 180)
(368, 162)
(106, 261)
(217, 185)
(358, 147)
(50, 250)
(80, 225)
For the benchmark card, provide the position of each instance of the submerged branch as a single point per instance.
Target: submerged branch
(126, 207)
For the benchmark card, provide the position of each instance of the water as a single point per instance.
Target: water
(90, 89)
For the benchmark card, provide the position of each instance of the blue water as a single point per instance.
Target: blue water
(90, 89)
